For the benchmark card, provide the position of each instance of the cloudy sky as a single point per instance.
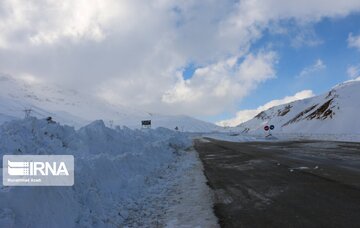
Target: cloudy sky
(216, 60)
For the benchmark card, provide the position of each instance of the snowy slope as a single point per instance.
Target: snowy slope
(75, 109)
(335, 112)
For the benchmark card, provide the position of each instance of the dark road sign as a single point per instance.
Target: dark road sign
(266, 128)
(146, 123)
(272, 127)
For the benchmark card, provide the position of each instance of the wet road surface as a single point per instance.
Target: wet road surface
(283, 184)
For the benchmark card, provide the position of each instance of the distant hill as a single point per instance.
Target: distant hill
(334, 112)
(75, 109)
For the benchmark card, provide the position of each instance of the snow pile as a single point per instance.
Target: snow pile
(335, 112)
(193, 197)
(120, 174)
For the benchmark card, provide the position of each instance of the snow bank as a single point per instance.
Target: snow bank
(119, 174)
(324, 137)
(193, 196)
(244, 137)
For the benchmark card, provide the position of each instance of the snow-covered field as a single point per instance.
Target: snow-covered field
(243, 137)
(123, 177)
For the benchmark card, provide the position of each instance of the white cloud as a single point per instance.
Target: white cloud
(245, 115)
(48, 22)
(354, 41)
(353, 71)
(317, 66)
(130, 51)
(216, 87)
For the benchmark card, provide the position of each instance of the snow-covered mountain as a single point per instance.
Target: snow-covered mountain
(335, 112)
(76, 109)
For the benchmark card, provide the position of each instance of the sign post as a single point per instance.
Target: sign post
(146, 124)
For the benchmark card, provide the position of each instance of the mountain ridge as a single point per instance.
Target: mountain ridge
(332, 112)
(75, 109)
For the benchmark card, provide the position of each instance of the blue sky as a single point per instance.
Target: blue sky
(331, 47)
(333, 51)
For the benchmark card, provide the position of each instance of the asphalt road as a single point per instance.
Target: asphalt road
(283, 184)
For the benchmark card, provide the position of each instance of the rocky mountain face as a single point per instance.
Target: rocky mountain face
(334, 112)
